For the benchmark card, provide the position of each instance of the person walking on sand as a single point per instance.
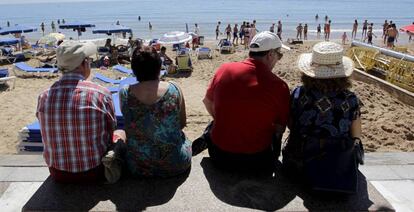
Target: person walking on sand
(328, 30)
(364, 29)
(354, 29)
(305, 32)
(253, 31)
(228, 32)
(218, 30)
(410, 34)
(246, 35)
(235, 34)
(299, 31)
(42, 27)
(369, 36)
(279, 29)
(318, 31)
(392, 33)
(272, 28)
(344, 38)
(248, 125)
(53, 26)
(241, 33)
(384, 28)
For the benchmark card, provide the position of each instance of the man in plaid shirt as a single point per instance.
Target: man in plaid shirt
(77, 118)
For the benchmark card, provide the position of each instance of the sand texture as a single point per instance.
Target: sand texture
(387, 123)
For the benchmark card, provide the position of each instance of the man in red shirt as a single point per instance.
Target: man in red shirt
(250, 107)
(77, 118)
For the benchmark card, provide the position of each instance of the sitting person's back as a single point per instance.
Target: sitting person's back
(76, 117)
(154, 117)
(250, 106)
(325, 124)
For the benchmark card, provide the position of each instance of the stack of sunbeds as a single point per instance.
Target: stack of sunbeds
(30, 138)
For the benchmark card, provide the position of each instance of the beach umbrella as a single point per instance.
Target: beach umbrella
(17, 29)
(78, 26)
(8, 41)
(109, 30)
(409, 28)
(175, 37)
(51, 38)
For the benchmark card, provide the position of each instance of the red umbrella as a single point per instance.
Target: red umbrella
(409, 28)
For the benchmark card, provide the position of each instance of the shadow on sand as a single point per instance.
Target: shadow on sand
(258, 191)
(127, 195)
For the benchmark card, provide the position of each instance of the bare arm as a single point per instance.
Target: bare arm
(356, 131)
(183, 113)
(209, 106)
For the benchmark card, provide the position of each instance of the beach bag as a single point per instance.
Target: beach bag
(329, 165)
(113, 162)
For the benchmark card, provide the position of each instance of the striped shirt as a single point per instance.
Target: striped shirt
(77, 120)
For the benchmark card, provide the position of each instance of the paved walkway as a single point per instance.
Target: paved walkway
(24, 183)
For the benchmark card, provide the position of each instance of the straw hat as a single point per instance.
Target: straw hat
(326, 61)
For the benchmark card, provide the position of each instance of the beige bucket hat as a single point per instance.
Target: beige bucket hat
(70, 54)
(326, 61)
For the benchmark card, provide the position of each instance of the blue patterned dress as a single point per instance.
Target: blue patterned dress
(156, 144)
(324, 115)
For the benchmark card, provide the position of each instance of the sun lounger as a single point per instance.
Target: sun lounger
(122, 69)
(6, 55)
(184, 63)
(204, 53)
(225, 46)
(106, 79)
(4, 77)
(26, 69)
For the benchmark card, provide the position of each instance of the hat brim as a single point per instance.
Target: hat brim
(325, 71)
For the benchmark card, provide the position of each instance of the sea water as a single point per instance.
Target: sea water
(173, 15)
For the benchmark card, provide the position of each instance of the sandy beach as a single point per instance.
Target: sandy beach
(387, 123)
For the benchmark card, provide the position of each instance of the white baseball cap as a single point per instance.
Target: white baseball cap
(265, 41)
(70, 54)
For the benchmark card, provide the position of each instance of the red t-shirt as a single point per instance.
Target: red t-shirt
(248, 100)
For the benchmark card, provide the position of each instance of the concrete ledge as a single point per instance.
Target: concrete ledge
(205, 188)
(395, 91)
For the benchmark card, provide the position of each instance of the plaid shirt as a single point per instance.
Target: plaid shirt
(77, 120)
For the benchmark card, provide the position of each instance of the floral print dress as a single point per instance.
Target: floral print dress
(156, 146)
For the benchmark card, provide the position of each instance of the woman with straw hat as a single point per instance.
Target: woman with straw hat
(325, 125)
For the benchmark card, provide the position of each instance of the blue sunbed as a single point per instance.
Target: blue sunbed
(113, 89)
(118, 113)
(4, 73)
(106, 79)
(27, 68)
(122, 69)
